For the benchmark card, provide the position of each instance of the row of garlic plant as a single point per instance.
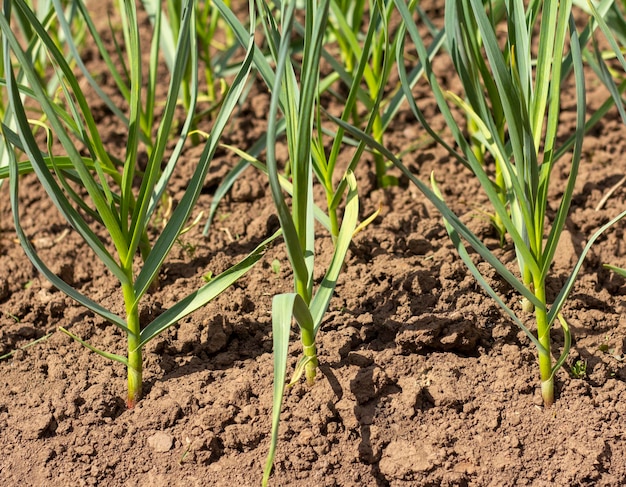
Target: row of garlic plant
(510, 97)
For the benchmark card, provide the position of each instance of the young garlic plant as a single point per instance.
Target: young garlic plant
(121, 207)
(296, 97)
(528, 89)
(529, 92)
(295, 94)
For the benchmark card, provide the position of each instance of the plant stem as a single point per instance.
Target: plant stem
(135, 360)
(543, 335)
(307, 336)
(310, 355)
(527, 279)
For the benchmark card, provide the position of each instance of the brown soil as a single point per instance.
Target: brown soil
(422, 380)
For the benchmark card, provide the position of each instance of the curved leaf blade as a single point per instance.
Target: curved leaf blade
(206, 293)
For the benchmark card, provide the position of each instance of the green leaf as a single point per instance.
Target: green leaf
(458, 244)
(182, 212)
(74, 49)
(39, 264)
(618, 270)
(185, 49)
(249, 159)
(206, 293)
(569, 284)
(102, 353)
(559, 220)
(167, 44)
(566, 345)
(523, 220)
(322, 297)
(234, 174)
(284, 308)
(291, 235)
(108, 216)
(449, 216)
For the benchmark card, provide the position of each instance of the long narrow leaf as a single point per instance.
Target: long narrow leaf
(206, 293)
(454, 221)
(467, 259)
(569, 284)
(41, 168)
(283, 309)
(167, 44)
(501, 210)
(181, 214)
(322, 297)
(38, 262)
(108, 216)
(111, 356)
(185, 46)
(295, 249)
(564, 206)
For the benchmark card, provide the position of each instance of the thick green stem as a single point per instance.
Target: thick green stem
(307, 334)
(310, 355)
(527, 278)
(135, 360)
(543, 335)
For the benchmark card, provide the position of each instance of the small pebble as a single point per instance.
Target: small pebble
(161, 442)
(537, 399)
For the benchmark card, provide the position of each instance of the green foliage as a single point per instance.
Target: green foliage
(297, 99)
(525, 88)
(367, 44)
(217, 59)
(579, 369)
(45, 12)
(295, 94)
(512, 58)
(366, 50)
(375, 59)
(123, 209)
(613, 27)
